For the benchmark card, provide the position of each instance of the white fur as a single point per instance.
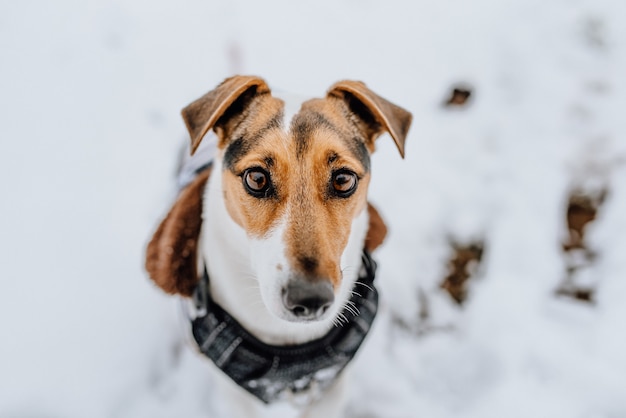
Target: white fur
(237, 264)
(246, 280)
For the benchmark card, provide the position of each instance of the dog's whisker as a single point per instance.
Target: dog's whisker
(351, 307)
(351, 310)
(364, 285)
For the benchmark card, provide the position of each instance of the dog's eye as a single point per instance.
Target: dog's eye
(256, 181)
(344, 183)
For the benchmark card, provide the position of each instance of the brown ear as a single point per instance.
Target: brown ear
(204, 113)
(171, 256)
(377, 229)
(379, 114)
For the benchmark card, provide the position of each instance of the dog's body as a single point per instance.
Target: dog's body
(285, 215)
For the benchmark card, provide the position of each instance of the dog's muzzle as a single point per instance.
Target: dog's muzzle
(272, 372)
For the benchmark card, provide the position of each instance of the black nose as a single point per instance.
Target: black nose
(306, 299)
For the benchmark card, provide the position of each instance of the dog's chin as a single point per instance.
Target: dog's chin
(290, 317)
(278, 311)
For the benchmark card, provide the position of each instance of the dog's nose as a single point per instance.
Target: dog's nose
(306, 299)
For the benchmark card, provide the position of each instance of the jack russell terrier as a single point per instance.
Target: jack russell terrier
(270, 241)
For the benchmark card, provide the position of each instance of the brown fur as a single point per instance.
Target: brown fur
(387, 116)
(327, 135)
(204, 113)
(377, 230)
(319, 228)
(171, 256)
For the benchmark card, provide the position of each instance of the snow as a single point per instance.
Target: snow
(90, 100)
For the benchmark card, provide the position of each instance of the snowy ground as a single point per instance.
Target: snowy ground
(90, 93)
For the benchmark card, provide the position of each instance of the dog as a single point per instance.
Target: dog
(272, 241)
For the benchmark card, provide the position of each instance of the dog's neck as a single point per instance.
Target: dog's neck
(226, 250)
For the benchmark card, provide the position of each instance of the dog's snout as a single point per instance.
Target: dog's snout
(308, 300)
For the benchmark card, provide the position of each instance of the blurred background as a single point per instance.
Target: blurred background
(504, 275)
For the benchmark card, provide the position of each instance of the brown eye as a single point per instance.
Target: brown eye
(256, 181)
(344, 183)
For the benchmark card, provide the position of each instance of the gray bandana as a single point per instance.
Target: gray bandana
(279, 372)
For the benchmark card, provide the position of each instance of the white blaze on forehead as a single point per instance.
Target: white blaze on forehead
(293, 104)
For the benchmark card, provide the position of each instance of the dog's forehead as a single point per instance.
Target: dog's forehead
(285, 121)
(319, 120)
(292, 104)
(311, 112)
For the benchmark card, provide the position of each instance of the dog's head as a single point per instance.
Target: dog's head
(296, 184)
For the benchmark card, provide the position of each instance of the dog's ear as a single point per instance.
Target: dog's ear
(376, 113)
(171, 256)
(377, 230)
(212, 109)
